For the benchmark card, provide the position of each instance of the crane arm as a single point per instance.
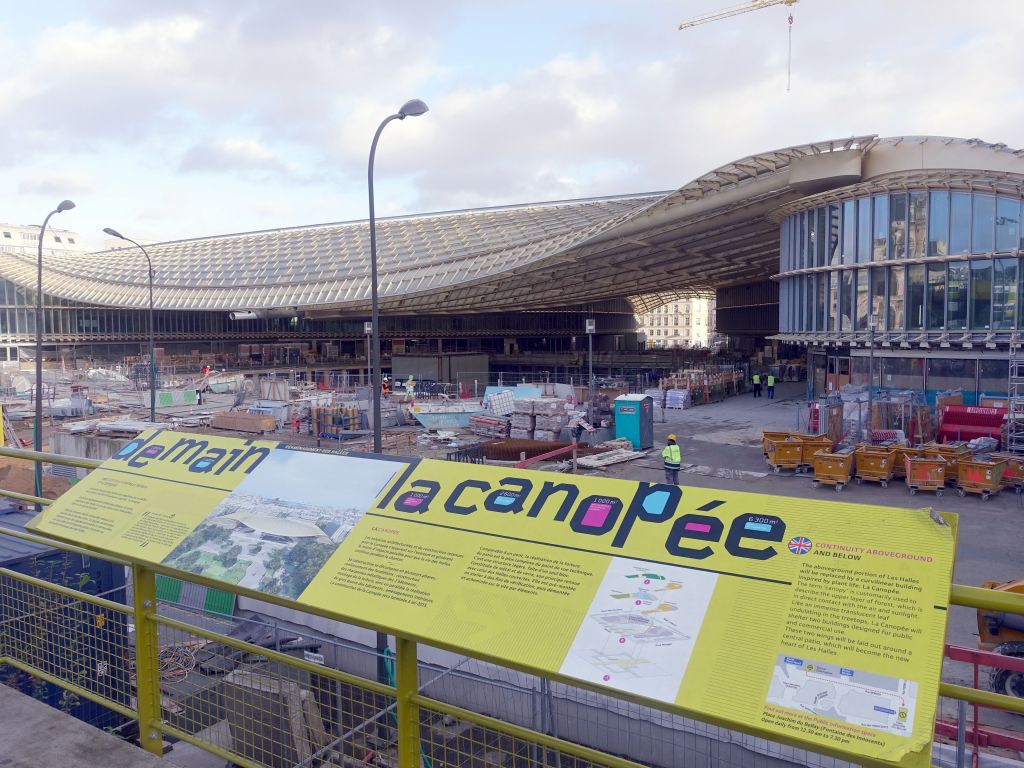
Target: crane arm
(754, 5)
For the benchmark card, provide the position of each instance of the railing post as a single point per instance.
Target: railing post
(961, 733)
(147, 685)
(406, 711)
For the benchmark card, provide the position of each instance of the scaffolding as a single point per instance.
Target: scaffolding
(1015, 396)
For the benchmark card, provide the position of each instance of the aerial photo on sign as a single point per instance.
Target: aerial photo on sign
(276, 530)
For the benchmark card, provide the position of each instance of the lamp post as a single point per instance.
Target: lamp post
(152, 357)
(872, 325)
(37, 443)
(591, 325)
(368, 331)
(412, 108)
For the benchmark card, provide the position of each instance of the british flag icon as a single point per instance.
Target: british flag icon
(800, 545)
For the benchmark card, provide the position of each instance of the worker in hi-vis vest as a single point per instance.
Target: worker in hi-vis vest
(756, 378)
(771, 387)
(672, 457)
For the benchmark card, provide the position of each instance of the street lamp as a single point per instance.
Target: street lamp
(152, 357)
(368, 331)
(872, 325)
(413, 108)
(65, 205)
(591, 326)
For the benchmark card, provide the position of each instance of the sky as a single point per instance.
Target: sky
(172, 119)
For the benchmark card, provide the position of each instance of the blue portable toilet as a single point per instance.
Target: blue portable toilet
(634, 420)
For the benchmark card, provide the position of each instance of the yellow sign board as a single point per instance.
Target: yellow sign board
(819, 623)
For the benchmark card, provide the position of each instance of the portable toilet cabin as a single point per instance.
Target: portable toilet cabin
(634, 420)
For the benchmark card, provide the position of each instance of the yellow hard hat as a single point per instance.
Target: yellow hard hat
(671, 437)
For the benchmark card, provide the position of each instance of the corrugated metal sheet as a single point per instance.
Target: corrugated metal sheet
(11, 549)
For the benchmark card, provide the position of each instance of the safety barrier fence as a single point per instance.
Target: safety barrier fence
(302, 699)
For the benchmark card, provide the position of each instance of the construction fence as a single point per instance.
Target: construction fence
(270, 686)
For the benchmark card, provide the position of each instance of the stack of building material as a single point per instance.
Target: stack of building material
(254, 423)
(615, 456)
(489, 426)
(657, 395)
(522, 421)
(549, 427)
(335, 419)
(501, 403)
(677, 398)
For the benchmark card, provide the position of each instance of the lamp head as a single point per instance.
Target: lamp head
(65, 205)
(113, 233)
(412, 108)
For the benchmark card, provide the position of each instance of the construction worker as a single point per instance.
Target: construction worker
(410, 389)
(385, 386)
(771, 386)
(757, 384)
(672, 457)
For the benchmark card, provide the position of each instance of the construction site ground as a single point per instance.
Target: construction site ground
(721, 448)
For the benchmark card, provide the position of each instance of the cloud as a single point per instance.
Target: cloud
(527, 102)
(240, 155)
(58, 184)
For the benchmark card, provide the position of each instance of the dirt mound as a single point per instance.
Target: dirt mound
(20, 478)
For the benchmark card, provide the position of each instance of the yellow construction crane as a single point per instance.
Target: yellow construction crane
(753, 5)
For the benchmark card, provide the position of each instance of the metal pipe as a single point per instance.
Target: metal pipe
(152, 326)
(376, 380)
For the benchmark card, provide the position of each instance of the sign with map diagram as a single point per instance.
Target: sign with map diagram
(814, 623)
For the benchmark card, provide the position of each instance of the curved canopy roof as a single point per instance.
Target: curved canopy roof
(720, 229)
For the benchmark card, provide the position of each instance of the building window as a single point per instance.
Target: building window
(1007, 223)
(818, 322)
(71, 240)
(918, 226)
(983, 221)
(981, 295)
(938, 224)
(898, 226)
(56, 238)
(1004, 293)
(864, 229)
(819, 236)
(915, 297)
(862, 299)
(936, 296)
(959, 223)
(903, 372)
(956, 296)
(7, 235)
(833, 300)
(993, 377)
(953, 373)
(850, 232)
(833, 255)
(897, 294)
(878, 298)
(881, 228)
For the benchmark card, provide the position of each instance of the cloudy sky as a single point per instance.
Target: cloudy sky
(179, 118)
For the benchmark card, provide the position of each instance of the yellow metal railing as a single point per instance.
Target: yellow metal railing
(257, 707)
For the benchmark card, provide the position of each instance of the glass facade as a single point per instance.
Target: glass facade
(974, 283)
(67, 322)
